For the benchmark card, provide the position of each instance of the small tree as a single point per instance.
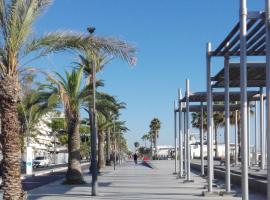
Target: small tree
(136, 144)
(154, 129)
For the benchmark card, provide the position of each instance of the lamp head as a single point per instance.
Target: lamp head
(91, 29)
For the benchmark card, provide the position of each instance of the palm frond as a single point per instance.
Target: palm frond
(3, 17)
(113, 46)
(22, 15)
(56, 41)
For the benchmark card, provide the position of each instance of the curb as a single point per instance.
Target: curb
(53, 170)
(49, 171)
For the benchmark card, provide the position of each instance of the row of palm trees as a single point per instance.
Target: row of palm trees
(152, 135)
(219, 122)
(18, 47)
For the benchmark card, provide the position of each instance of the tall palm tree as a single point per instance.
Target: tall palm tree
(69, 92)
(151, 142)
(196, 120)
(219, 121)
(17, 41)
(155, 125)
(107, 106)
(232, 122)
(118, 137)
(91, 59)
(145, 137)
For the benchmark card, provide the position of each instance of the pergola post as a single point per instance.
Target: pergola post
(236, 137)
(267, 25)
(248, 133)
(202, 140)
(188, 130)
(227, 124)
(243, 89)
(209, 119)
(255, 137)
(175, 138)
(180, 135)
(262, 135)
(185, 144)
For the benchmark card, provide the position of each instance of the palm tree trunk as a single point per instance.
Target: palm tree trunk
(155, 145)
(151, 147)
(108, 155)
(101, 163)
(216, 141)
(239, 138)
(74, 172)
(9, 97)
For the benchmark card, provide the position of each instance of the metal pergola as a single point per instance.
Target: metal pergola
(256, 76)
(249, 37)
(216, 108)
(201, 97)
(202, 108)
(220, 96)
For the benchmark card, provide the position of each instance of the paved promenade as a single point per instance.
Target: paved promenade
(130, 182)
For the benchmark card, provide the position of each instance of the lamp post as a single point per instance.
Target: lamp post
(114, 152)
(94, 170)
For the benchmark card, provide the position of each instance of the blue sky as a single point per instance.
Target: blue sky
(170, 36)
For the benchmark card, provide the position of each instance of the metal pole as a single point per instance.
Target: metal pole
(188, 130)
(267, 25)
(248, 133)
(262, 129)
(236, 137)
(185, 144)
(114, 152)
(202, 141)
(175, 139)
(209, 119)
(243, 89)
(54, 147)
(227, 124)
(94, 170)
(255, 127)
(180, 135)
(108, 154)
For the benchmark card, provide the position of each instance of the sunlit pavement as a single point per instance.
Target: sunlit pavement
(132, 182)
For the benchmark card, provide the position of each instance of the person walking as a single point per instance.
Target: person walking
(135, 157)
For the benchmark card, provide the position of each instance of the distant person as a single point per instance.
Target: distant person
(135, 157)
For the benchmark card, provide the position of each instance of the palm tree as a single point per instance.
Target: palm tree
(69, 92)
(232, 122)
(96, 59)
(136, 145)
(219, 121)
(107, 106)
(150, 133)
(196, 120)
(155, 125)
(30, 110)
(145, 137)
(17, 41)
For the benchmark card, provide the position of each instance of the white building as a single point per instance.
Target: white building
(46, 143)
(163, 151)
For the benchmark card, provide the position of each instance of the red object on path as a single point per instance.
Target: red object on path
(146, 158)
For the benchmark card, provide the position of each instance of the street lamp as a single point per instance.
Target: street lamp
(94, 170)
(114, 157)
